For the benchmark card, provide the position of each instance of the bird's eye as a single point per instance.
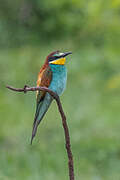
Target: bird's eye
(52, 58)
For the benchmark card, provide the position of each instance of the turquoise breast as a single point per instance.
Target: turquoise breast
(59, 78)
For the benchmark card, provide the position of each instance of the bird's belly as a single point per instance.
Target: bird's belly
(60, 86)
(58, 82)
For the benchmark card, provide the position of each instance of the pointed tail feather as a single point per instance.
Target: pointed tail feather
(40, 112)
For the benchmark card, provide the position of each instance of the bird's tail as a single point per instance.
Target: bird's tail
(42, 108)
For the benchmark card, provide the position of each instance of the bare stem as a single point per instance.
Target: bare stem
(64, 122)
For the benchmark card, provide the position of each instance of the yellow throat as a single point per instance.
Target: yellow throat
(60, 61)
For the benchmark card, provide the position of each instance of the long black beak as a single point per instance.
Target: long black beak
(66, 54)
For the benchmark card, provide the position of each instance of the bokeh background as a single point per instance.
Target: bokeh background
(29, 31)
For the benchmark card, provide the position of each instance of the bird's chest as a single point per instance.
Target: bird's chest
(59, 78)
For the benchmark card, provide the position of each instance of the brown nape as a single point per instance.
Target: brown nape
(46, 64)
(51, 54)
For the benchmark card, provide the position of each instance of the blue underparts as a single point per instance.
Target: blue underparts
(59, 78)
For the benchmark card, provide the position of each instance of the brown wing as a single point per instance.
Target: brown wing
(44, 79)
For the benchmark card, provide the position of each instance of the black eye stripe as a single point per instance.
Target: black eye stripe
(53, 58)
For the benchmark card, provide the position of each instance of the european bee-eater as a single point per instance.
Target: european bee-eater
(52, 75)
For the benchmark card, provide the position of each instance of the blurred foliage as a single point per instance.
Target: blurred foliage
(30, 30)
(84, 21)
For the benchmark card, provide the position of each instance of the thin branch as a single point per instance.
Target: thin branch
(64, 122)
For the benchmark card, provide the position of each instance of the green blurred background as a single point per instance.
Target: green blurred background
(29, 31)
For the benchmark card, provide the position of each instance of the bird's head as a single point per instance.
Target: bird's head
(57, 57)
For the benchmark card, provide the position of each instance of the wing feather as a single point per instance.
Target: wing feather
(44, 80)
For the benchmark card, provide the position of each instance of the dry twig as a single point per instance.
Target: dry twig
(64, 123)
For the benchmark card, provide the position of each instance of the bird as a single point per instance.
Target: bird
(53, 75)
